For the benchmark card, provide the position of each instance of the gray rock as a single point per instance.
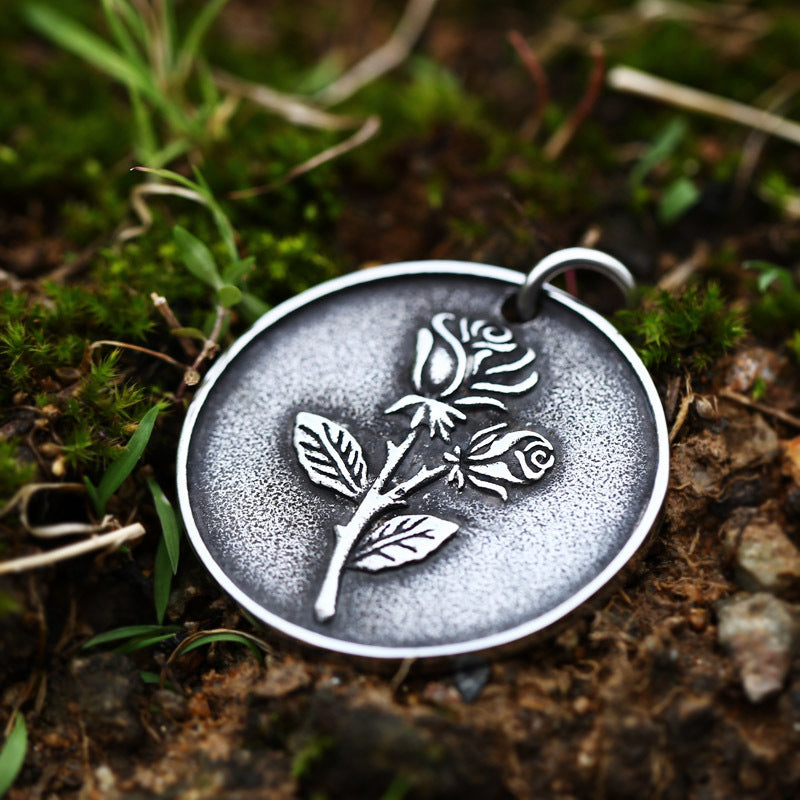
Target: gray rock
(765, 558)
(760, 632)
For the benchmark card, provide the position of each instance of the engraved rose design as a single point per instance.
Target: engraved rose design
(494, 460)
(460, 366)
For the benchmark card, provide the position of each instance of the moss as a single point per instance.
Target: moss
(681, 332)
(15, 472)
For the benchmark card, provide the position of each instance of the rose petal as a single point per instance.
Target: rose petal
(490, 487)
(515, 365)
(498, 470)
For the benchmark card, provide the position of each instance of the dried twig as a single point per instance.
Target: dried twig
(563, 135)
(163, 308)
(191, 376)
(536, 71)
(193, 637)
(20, 501)
(683, 411)
(681, 273)
(626, 79)
(370, 127)
(292, 109)
(385, 58)
(139, 349)
(744, 400)
(401, 674)
(142, 210)
(110, 540)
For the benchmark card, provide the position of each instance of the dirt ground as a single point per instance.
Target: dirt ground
(682, 683)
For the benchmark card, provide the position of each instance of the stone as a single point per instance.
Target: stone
(760, 632)
(765, 558)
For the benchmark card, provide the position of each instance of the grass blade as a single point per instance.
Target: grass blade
(197, 257)
(170, 524)
(210, 638)
(121, 34)
(677, 199)
(123, 466)
(236, 271)
(176, 177)
(130, 632)
(660, 150)
(191, 42)
(68, 34)
(162, 580)
(141, 642)
(12, 755)
(252, 307)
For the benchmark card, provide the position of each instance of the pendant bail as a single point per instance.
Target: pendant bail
(561, 261)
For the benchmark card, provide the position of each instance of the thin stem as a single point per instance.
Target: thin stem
(106, 540)
(389, 55)
(536, 71)
(627, 79)
(163, 308)
(374, 503)
(563, 136)
(138, 349)
(192, 376)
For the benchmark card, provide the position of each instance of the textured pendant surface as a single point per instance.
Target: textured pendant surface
(385, 466)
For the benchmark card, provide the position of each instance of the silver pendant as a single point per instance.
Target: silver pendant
(386, 466)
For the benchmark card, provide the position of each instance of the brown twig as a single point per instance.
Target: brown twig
(370, 127)
(626, 79)
(292, 109)
(536, 71)
(210, 346)
(138, 349)
(163, 308)
(683, 411)
(742, 399)
(563, 135)
(385, 58)
(680, 274)
(193, 637)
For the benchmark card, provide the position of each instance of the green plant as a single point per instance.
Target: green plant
(777, 311)
(685, 331)
(160, 71)
(123, 465)
(168, 552)
(794, 345)
(200, 261)
(133, 637)
(680, 193)
(12, 755)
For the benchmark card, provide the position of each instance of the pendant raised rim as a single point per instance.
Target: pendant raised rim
(485, 644)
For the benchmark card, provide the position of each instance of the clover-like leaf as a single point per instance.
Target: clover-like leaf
(401, 540)
(330, 454)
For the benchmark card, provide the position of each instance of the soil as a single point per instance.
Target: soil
(683, 683)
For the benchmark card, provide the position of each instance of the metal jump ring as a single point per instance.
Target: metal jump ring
(561, 261)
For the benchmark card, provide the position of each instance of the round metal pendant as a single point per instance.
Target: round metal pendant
(385, 466)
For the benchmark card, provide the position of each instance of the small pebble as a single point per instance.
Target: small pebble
(765, 557)
(49, 449)
(698, 619)
(582, 705)
(760, 632)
